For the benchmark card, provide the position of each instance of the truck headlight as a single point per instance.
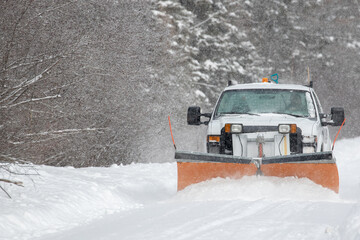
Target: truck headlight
(233, 128)
(284, 128)
(287, 128)
(236, 128)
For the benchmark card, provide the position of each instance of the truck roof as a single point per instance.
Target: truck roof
(267, 86)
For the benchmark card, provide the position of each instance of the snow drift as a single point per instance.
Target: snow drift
(139, 201)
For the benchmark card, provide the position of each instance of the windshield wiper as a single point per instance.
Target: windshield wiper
(240, 113)
(249, 113)
(290, 114)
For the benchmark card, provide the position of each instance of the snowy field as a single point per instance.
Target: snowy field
(140, 201)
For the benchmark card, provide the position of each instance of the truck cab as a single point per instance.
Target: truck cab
(265, 120)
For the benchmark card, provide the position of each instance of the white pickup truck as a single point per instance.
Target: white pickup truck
(264, 129)
(265, 119)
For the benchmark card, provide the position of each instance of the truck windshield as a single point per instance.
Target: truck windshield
(257, 101)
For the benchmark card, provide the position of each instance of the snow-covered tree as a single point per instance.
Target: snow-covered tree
(216, 41)
(210, 46)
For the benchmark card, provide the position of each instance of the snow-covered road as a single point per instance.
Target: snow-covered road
(140, 201)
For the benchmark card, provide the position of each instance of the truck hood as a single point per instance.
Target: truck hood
(305, 124)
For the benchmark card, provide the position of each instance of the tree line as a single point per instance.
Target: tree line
(91, 83)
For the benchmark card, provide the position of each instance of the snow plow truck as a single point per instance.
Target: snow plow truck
(264, 129)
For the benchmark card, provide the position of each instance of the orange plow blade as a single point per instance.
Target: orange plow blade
(195, 172)
(195, 167)
(324, 174)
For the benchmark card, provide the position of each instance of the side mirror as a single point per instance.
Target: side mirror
(194, 114)
(337, 116)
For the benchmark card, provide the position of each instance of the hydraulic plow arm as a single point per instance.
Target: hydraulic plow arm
(194, 167)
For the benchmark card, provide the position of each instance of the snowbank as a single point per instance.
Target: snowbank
(62, 198)
(140, 201)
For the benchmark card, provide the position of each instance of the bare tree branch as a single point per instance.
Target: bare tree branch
(18, 183)
(32, 100)
(10, 44)
(38, 77)
(14, 159)
(5, 191)
(34, 60)
(26, 83)
(65, 131)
